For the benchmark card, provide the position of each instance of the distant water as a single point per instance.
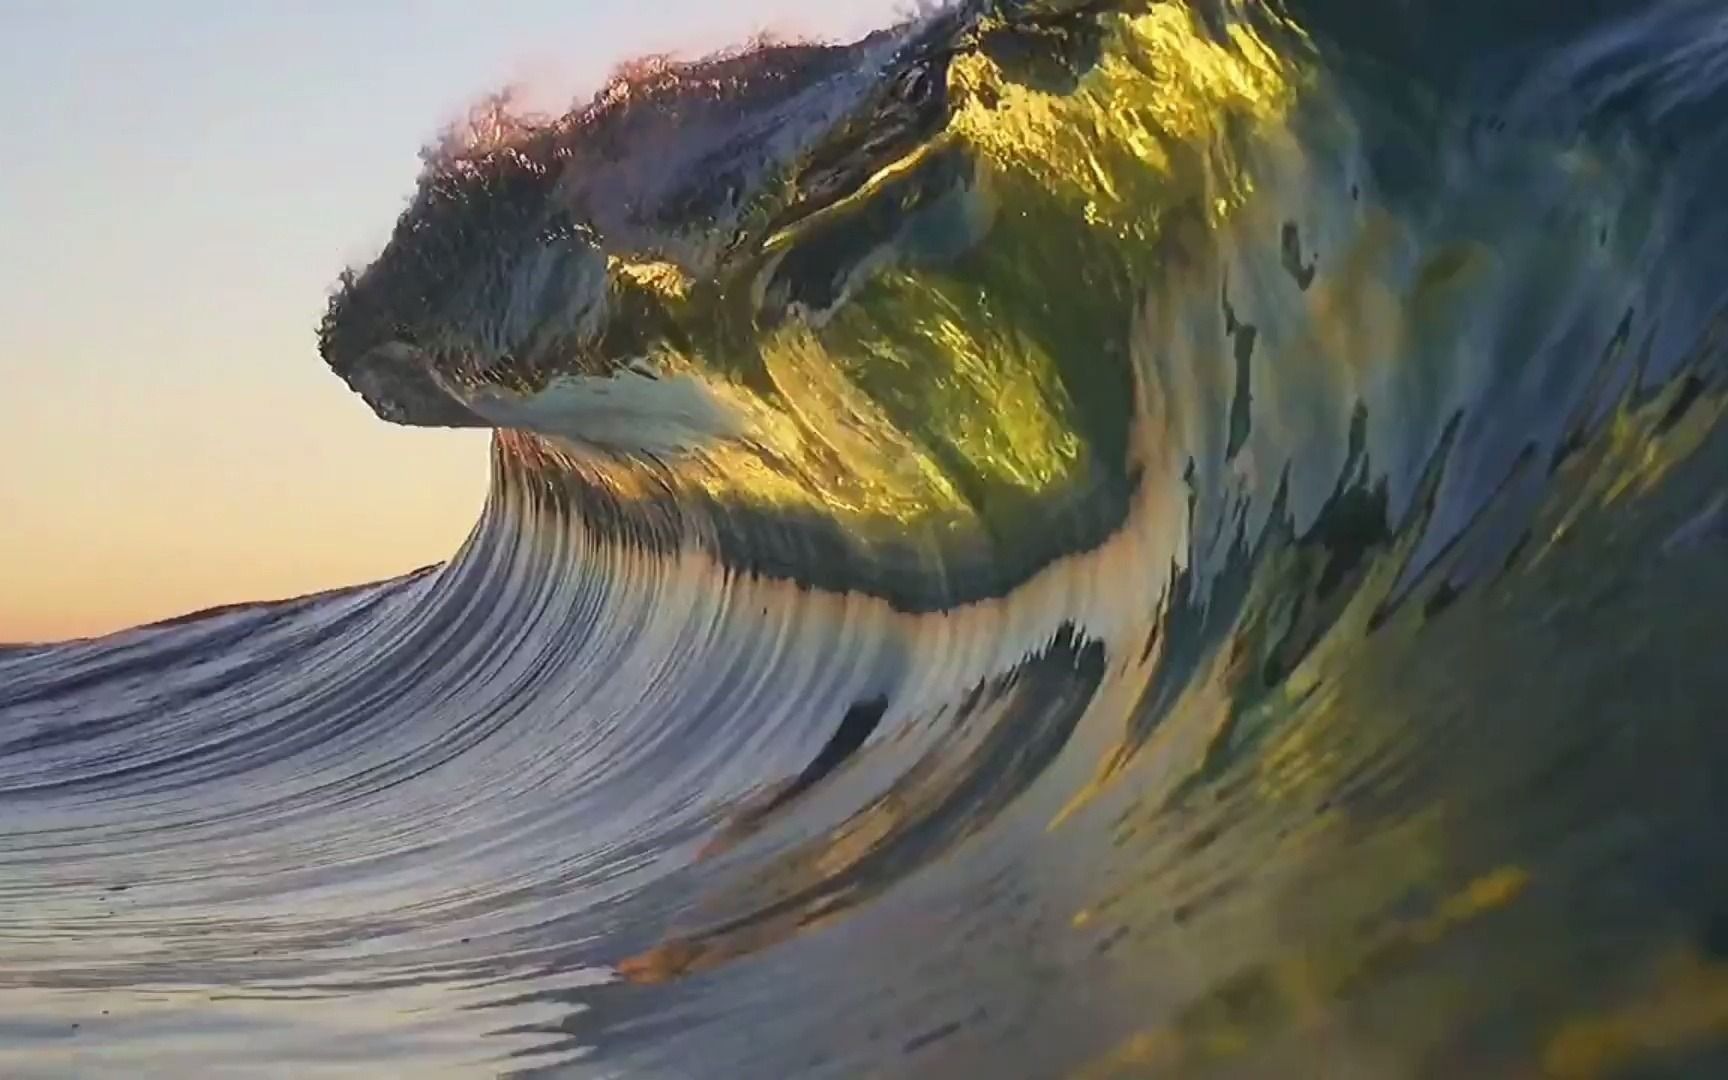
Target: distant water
(1062, 539)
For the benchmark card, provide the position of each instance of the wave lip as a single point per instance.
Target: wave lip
(538, 249)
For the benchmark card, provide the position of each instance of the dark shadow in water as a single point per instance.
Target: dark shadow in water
(1002, 738)
(855, 729)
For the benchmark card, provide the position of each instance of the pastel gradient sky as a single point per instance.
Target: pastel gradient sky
(183, 180)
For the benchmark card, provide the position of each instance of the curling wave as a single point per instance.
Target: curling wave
(1062, 538)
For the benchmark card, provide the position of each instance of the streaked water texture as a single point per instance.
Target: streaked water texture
(1061, 539)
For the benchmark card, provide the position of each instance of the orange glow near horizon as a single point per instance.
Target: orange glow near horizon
(162, 535)
(133, 492)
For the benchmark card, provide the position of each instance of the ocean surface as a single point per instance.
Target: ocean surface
(1062, 539)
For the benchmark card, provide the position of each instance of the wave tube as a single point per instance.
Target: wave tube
(1060, 539)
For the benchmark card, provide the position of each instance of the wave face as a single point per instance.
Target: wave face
(1092, 539)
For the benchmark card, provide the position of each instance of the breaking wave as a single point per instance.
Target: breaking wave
(1059, 539)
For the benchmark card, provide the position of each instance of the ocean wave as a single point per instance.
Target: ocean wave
(1092, 538)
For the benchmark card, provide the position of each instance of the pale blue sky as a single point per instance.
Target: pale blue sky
(182, 180)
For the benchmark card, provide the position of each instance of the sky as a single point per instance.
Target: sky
(183, 181)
